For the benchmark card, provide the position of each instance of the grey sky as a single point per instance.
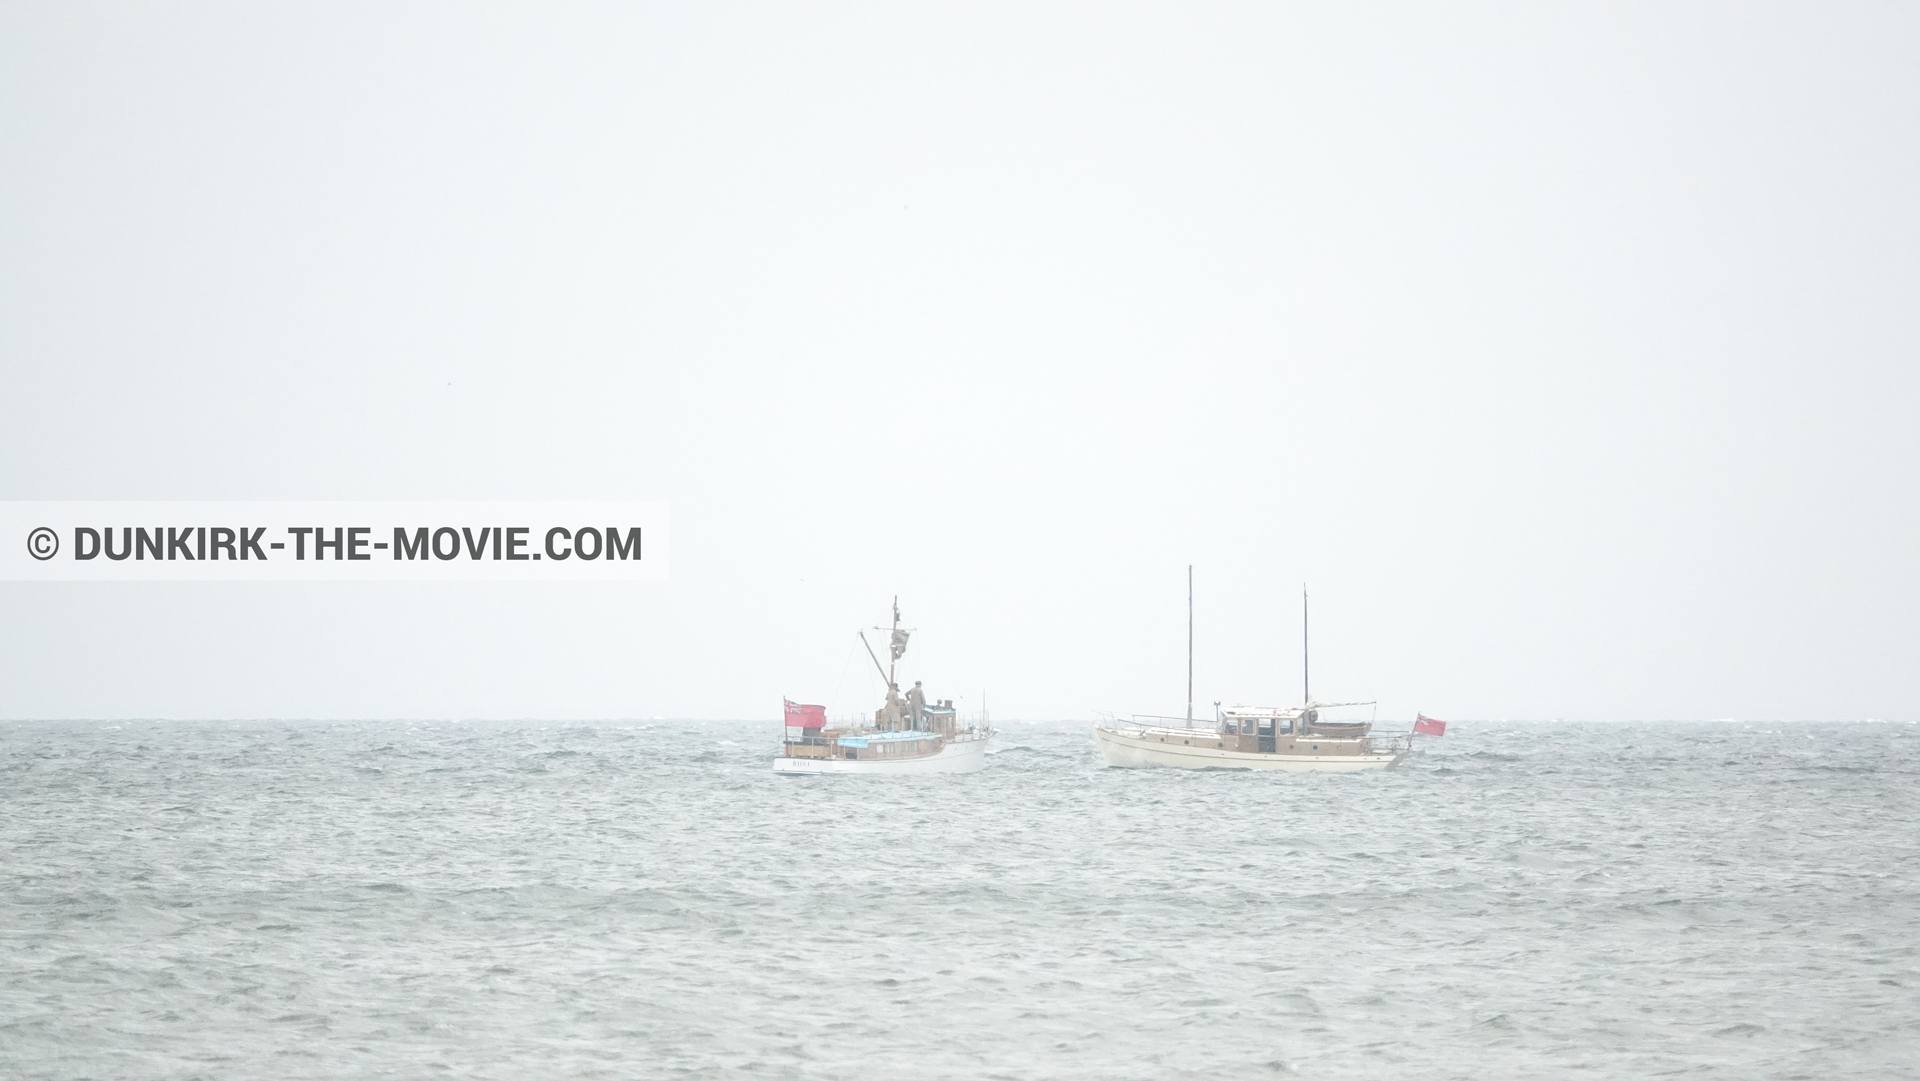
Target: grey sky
(1568, 352)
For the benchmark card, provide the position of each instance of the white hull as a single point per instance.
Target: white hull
(966, 756)
(1134, 750)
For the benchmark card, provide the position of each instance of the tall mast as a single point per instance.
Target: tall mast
(1189, 643)
(893, 652)
(1306, 687)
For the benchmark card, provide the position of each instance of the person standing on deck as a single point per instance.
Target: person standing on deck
(917, 702)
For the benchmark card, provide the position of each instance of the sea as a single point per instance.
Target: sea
(646, 899)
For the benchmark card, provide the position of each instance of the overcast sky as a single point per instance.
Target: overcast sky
(1569, 353)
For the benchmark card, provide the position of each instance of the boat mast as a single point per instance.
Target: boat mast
(893, 650)
(1189, 643)
(1306, 687)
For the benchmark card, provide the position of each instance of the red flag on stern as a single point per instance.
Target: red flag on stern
(1427, 726)
(799, 716)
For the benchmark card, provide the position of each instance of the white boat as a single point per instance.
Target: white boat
(1294, 738)
(907, 736)
(1250, 737)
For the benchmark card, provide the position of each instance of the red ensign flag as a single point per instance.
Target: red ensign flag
(799, 716)
(1422, 724)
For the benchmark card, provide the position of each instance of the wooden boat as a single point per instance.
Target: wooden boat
(1251, 737)
(907, 734)
(1294, 738)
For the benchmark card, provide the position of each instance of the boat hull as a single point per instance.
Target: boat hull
(965, 756)
(1133, 750)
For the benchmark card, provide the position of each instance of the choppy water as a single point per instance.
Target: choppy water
(316, 900)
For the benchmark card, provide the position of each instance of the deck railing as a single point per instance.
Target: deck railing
(1377, 743)
(1141, 720)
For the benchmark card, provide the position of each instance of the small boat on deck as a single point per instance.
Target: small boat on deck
(1292, 738)
(908, 735)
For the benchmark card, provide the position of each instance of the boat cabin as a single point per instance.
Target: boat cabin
(1293, 730)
